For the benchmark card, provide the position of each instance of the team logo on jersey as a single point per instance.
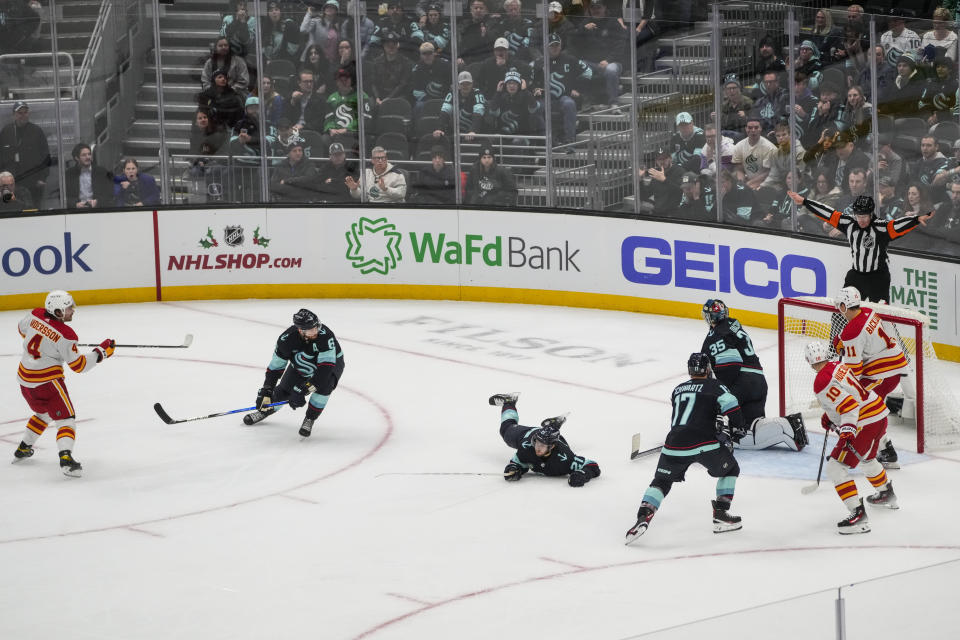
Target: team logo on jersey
(233, 236)
(373, 246)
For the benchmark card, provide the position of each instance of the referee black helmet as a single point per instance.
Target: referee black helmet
(863, 206)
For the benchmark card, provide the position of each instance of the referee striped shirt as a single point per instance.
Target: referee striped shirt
(868, 247)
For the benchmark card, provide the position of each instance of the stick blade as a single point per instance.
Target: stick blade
(810, 488)
(635, 446)
(163, 414)
(188, 340)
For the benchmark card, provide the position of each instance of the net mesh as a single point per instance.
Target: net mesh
(809, 319)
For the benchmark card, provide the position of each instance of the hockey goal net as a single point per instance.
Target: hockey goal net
(928, 397)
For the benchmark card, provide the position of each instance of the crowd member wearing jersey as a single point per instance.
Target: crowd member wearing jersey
(540, 450)
(736, 365)
(48, 343)
(868, 345)
(859, 417)
(307, 360)
(868, 239)
(704, 412)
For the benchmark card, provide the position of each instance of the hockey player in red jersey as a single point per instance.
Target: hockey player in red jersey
(860, 418)
(48, 343)
(869, 347)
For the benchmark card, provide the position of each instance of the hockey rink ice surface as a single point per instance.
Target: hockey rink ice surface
(392, 520)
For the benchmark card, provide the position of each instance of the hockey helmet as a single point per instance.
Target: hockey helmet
(848, 297)
(714, 310)
(816, 352)
(58, 301)
(863, 206)
(547, 436)
(305, 320)
(698, 365)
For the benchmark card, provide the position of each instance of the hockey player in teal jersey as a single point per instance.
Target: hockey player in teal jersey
(736, 365)
(704, 414)
(307, 360)
(541, 450)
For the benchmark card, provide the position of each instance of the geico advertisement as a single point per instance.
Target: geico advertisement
(92, 251)
(227, 247)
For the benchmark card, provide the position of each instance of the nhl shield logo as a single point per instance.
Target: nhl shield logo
(233, 236)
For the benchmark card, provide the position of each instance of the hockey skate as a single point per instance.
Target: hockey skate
(723, 521)
(884, 498)
(23, 451)
(856, 522)
(799, 431)
(554, 423)
(644, 516)
(306, 427)
(257, 416)
(888, 456)
(500, 399)
(69, 466)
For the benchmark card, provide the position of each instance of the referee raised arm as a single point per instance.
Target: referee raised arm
(868, 238)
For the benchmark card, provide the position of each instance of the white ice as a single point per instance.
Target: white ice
(392, 520)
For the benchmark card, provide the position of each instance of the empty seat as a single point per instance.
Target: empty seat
(395, 144)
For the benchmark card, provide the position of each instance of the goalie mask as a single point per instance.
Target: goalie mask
(816, 352)
(698, 365)
(58, 301)
(848, 297)
(714, 310)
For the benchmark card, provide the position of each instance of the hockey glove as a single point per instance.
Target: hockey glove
(105, 350)
(264, 396)
(825, 422)
(298, 396)
(513, 472)
(578, 479)
(847, 431)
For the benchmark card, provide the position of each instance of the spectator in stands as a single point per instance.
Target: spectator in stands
(776, 181)
(286, 133)
(234, 66)
(273, 104)
(559, 24)
(939, 98)
(808, 62)
(889, 163)
(367, 29)
(437, 183)
(708, 154)
(805, 101)
(825, 116)
(661, 184)
(692, 202)
(11, 198)
(240, 30)
(490, 184)
(848, 158)
(224, 105)
(24, 152)
(941, 36)
(898, 40)
(248, 141)
(733, 109)
(87, 185)
(390, 72)
(207, 136)
(490, 73)
(773, 104)
(825, 35)
(322, 68)
(767, 60)
(856, 116)
(346, 56)
(856, 187)
(383, 181)
(342, 122)
(430, 79)
(855, 17)
(752, 156)
(434, 30)
(890, 205)
(514, 110)
(918, 201)
(519, 31)
(930, 163)
(294, 179)
(472, 109)
(321, 27)
(395, 21)
(739, 203)
(570, 78)
(477, 34)
(135, 189)
(18, 27)
(902, 97)
(603, 42)
(825, 189)
(687, 142)
(279, 36)
(307, 107)
(332, 181)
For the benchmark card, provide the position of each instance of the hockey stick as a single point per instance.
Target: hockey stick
(187, 341)
(807, 490)
(635, 449)
(167, 419)
(439, 473)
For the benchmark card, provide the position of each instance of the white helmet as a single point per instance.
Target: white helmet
(816, 352)
(58, 301)
(848, 297)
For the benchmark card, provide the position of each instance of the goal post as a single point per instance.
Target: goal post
(928, 398)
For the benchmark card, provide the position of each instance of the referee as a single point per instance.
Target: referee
(868, 238)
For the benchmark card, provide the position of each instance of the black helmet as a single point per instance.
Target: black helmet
(863, 205)
(547, 435)
(305, 319)
(714, 310)
(698, 365)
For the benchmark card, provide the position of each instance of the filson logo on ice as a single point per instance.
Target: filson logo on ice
(374, 246)
(233, 236)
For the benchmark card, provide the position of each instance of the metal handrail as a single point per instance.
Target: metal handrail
(21, 56)
(93, 46)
